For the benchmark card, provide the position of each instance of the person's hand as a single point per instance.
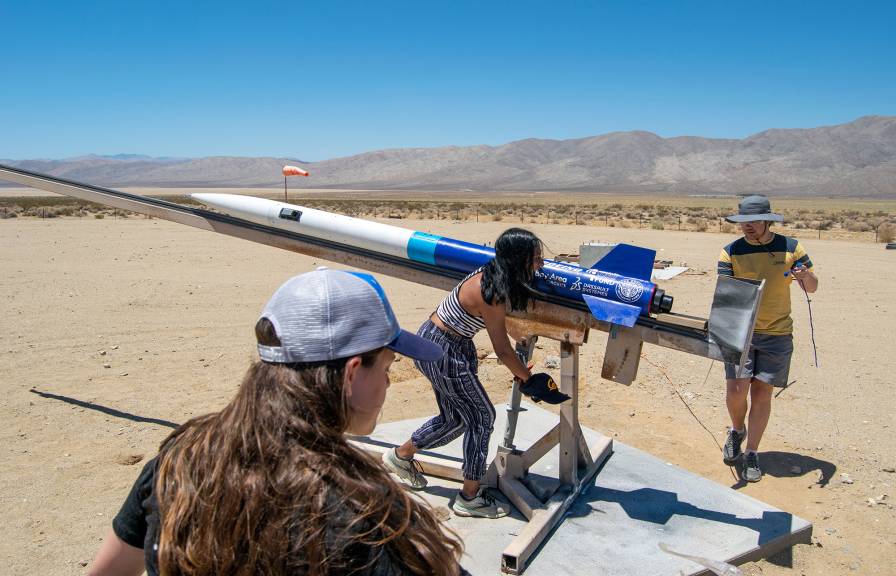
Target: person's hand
(799, 273)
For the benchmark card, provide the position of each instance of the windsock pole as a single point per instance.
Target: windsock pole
(291, 171)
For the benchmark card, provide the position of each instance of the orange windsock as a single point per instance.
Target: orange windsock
(294, 171)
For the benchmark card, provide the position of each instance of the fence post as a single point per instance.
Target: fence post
(679, 222)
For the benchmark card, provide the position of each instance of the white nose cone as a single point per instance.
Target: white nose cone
(356, 232)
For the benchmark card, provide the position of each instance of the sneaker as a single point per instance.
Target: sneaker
(407, 470)
(731, 450)
(751, 471)
(484, 505)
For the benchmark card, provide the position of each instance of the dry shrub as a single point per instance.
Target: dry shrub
(728, 228)
(657, 224)
(7, 212)
(886, 233)
(858, 226)
(700, 224)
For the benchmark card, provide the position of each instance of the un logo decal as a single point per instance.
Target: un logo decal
(629, 290)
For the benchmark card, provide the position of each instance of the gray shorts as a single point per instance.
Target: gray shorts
(767, 361)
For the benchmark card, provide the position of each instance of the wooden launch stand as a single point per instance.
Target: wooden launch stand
(544, 504)
(542, 500)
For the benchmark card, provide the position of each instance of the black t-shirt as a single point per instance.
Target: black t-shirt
(137, 524)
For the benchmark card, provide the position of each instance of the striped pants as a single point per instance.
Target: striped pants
(464, 406)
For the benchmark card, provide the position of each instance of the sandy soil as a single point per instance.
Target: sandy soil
(115, 330)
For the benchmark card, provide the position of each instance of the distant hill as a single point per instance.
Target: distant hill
(857, 159)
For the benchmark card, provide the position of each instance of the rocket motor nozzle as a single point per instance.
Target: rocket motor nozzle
(662, 302)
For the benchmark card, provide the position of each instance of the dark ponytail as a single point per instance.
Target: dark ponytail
(505, 278)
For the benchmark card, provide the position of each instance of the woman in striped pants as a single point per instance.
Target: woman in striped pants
(481, 300)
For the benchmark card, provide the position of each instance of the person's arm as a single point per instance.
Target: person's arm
(496, 327)
(725, 267)
(121, 553)
(801, 271)
(117, 558)
(806, 278)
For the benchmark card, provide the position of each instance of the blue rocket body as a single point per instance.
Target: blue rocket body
(614, 297)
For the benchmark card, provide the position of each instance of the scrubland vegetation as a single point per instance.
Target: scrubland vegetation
(822, 218)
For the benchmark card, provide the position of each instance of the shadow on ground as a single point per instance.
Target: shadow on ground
(104, 409)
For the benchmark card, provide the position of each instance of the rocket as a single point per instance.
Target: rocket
(617, 289)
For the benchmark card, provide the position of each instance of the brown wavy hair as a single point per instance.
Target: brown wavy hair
(270, 485)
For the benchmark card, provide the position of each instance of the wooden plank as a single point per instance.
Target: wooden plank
(622, 356)
(430, 465)
(540, 447)
(683, 320)
(519, 495)
(569, 415)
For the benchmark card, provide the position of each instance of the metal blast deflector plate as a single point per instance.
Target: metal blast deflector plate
(733, 313)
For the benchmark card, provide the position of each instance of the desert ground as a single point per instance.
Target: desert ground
(117, 329)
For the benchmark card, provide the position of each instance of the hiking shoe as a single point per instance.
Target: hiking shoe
(731, 450)
(751, 471)
(484, 505)
(407, 470)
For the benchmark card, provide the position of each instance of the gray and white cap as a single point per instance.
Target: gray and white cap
(331, 314)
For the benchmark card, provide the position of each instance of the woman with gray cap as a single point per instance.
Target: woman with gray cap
(270, 484)
(761, 255)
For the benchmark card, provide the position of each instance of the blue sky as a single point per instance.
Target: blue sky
(317, 80)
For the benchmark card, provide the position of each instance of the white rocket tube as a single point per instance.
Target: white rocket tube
(374, 236)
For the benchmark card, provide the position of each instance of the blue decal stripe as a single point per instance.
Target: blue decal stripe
(422, 247)
(462, 256)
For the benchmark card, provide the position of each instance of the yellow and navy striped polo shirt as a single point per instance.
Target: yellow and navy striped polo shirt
(769, 262)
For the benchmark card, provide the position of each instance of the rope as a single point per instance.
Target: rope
(811, 322)
(686, 405)
(680, 397)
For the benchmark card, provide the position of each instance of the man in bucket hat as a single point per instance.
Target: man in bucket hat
(761, 255)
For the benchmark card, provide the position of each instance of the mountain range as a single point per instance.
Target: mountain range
(856, 159)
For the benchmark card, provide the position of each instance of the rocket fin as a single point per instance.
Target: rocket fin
(628, 260)
(612, 312)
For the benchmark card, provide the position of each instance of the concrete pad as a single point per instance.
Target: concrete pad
(615, 527)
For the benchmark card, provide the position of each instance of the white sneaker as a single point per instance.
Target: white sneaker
(407, 470)
(484, 505)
